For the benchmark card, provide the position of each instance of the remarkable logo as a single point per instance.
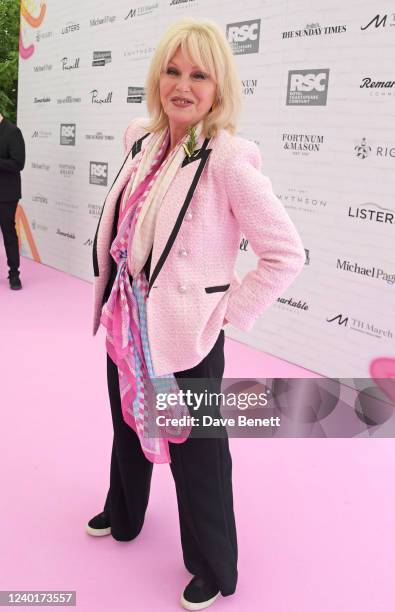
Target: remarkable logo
(43, 100)
(299, 305)
(98, 173)
(243, 36)
(66, 65)
(67, 134)
(97, 100)
(307, 87)
(40, 198)
(101, 58)
(69, 235)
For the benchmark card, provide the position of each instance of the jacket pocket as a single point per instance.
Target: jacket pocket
(217, 288)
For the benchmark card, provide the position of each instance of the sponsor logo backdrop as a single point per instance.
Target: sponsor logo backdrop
(319, 91)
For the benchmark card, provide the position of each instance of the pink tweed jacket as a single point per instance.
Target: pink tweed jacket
(214, 199)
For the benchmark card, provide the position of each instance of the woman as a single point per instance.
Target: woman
(164, 257)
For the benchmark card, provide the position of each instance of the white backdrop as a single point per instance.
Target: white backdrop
(318, 100)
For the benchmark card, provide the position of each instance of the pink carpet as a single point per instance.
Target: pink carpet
(315, 517)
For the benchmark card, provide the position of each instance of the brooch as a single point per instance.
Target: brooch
(189, 146)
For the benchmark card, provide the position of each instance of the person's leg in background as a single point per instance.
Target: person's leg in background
(202, 471)
(10, 237)
(131, 471)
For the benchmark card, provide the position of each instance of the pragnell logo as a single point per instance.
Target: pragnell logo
(97, 100)
(67, 66)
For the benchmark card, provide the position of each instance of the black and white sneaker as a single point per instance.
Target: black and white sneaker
(99, 525)
(199, 594)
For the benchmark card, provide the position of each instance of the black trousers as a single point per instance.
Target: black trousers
(202, 472)
(10, 237)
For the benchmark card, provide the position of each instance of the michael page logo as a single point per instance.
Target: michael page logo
(243, 36)
(101, 58)
(67, 134)
(307, 87)
(98, 173)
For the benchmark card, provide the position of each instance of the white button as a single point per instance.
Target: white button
(183, 252)
(188, 215)
(182, 288)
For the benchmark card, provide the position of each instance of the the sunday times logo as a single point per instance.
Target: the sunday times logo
(101, 58)
(99, 136)
(307, 87)
(243, 36)
(40, 198)
(136, 95)
(98, 173)
(67, 134)
(314, 29)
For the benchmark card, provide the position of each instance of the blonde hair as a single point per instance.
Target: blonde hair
(204, 44)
